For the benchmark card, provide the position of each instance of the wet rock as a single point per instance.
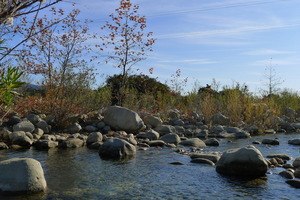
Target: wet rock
(116, 149)
(95, 145)
(270, 131)
(212, 142)
(294, 183)
(44, 126)
(294, 141)
(20, 138)
(287, 174)
(224, 134)
(296, 162)
(4, 134)
(203, 161)
(25, 126)
(21, 176)
(270, 141)
(212, 157)
(176, 163)
(256, 142)
(247, 161)
(194, 142)
(171, 138)
(297, 173)
(123, 119)
(282, 156)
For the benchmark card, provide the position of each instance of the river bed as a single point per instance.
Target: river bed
(81, 174)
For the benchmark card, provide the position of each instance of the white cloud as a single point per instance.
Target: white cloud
(267, 52)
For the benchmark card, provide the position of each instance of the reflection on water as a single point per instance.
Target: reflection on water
(81, 174)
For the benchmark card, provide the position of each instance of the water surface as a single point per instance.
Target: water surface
(81, 174)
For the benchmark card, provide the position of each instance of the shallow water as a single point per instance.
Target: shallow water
(81, 174)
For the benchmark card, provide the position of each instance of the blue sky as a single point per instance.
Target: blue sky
(228, 40)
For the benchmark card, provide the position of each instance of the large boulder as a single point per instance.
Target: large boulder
(296, 162)
(21, 176)
(246, 161)
(123, 119)
(294, 141)
(116, 149)
(25, 126)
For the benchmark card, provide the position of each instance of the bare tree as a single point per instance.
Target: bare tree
(271, 81)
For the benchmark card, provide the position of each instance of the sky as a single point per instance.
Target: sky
(226, 40)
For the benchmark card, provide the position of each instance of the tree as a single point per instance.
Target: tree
(12, 9)
(59, 52)
(127, 40)
(272, 81)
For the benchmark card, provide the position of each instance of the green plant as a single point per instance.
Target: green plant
(9, 82)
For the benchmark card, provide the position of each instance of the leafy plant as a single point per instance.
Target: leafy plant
(9, 81)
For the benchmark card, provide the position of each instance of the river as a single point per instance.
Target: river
(80, 174)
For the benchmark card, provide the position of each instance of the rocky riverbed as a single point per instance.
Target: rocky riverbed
(153, 155)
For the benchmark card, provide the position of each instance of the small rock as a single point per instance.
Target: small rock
(176, 163)
(203, 161)
(287, 174)
(294, 183)
(270, 141)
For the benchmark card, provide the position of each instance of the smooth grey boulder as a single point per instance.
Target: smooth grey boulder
(4, 134)
(247, 161)
(116, 149)
(152, 121)
(21, 176)
(172, 138)
(14, 120)
(94, 137)
(25, 126)
(21, 138)
(193, 142)
(123, 119)
(201, 133)
(294, 141)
